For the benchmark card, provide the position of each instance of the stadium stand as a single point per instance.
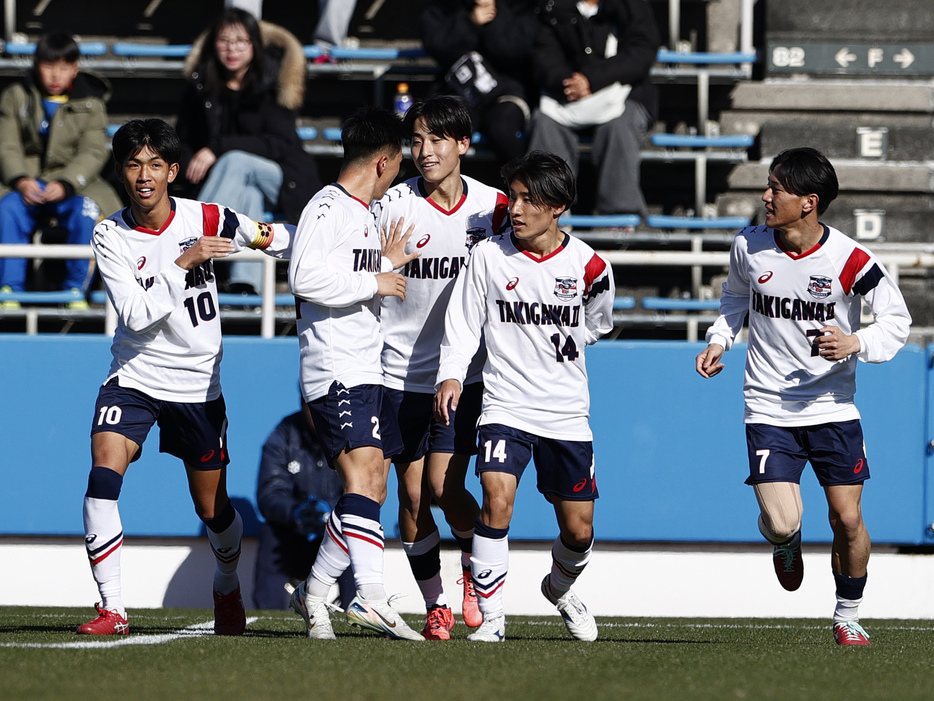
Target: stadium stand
(704, 165)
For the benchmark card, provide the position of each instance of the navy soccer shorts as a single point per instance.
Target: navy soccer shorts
(836, 452)
(564, 468)
(355, 417)
(421, 434)
(195, 432)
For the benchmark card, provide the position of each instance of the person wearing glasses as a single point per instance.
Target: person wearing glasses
(237, 122)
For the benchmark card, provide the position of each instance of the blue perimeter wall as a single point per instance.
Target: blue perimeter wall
(670, 446)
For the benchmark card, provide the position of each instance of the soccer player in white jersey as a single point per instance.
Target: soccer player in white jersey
(450, 213)
(335, 273)
(802, 284)
(537, 298)
(155, 258)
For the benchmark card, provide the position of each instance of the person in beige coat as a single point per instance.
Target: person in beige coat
(53, 146)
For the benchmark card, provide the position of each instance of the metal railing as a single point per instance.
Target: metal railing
(897, 260)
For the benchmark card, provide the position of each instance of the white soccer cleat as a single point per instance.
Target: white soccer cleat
(492, 630)
(579, 621)
(377, 615)
(314, 610)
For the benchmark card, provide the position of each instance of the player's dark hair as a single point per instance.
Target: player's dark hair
(548, 177)
(369, 132)
(804, 171)
(54, 46)
(137, 134)
(444, 115)
(213, 74)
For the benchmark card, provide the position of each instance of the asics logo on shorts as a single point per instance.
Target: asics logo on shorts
(859, 466)
(580, 485)
(207, 456)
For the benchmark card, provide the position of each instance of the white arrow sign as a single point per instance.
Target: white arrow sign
(904, 58)
(844, 57)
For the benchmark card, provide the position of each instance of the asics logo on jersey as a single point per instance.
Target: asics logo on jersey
(90, 538)
(859, 466)
(207, 456)
(484, 574)
(511, 285)
(141, 262)
(423, 241)
(765, 277)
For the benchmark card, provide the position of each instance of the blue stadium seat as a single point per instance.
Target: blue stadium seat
(234, 300)
(698, 141)
(133, 50)
(624, 303)
(600, 220)
(706, 57)
(54, 297)
(688, 305)
(89, 48)
(662, 221)
(307, 133)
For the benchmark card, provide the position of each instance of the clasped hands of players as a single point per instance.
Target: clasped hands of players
(832, 345)
(393, 284)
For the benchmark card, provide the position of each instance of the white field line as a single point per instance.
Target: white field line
(198, 630)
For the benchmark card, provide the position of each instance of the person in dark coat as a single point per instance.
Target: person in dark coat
(237, 122)
(592, 61)
(295, 492)
(501, 33)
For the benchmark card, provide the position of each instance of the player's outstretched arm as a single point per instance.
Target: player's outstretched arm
(446, 399)
(394, 242)
(708, 361)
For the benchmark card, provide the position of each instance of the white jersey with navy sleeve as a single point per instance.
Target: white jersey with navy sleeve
(168, 338)
(536, 316)
(788, 297)
(413, 329)
(336, 254)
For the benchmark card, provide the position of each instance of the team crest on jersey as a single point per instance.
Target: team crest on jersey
(565, 288)
(475, 236)
(186, 244)
(819, 286)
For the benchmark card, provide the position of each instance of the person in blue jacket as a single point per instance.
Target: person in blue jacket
(295, 492)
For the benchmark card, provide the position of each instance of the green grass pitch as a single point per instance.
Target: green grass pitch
(172, 655)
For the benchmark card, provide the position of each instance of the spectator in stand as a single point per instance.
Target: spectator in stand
(53, 145)
(333, 22)
(237, 124)
(592, 60)
(484, 50)
(296, 491)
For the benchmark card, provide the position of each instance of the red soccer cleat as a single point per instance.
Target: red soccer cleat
(440, 623)
(789, 565)
(229, 616)
(470, 609)
(850, 633)
(107, 623)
